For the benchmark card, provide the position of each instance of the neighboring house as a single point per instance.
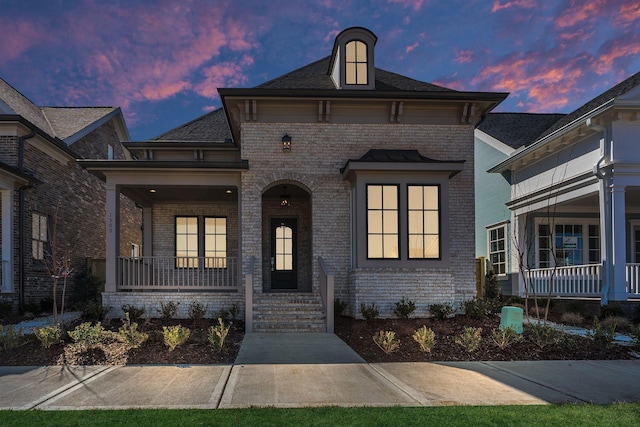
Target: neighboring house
(496, 138)
(45, 193)
(338, 173)
(575, 200)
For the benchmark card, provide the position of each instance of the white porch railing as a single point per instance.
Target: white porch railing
(578, 280)
(177, 273)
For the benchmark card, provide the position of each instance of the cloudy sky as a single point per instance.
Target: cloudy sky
(162, 60)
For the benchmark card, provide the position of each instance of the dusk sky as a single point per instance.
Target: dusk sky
(161, 61)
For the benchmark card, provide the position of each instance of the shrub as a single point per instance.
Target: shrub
(387, 341)
(617, 322)
(339, 306)
(609, 310)
(504, 337)
(543, 335)
(575, 306)
(469, 339)
(476, 308)
(109, 350)
(404, 308)
(175, 336)
(129, 333)
(10, 337)
(234, 310)
(135, 313)
(86, 288)
(441, 311)
(570, 318)
(369, 312)
(197, 311)
(224, 314)
(425, 337)
(87, 334)
(6, 308)
(603, 334)
(48, 335)
(218, 334)
(93, 311)
(491, 287)
(168, 310)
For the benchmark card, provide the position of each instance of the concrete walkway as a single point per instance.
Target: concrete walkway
(269, 371)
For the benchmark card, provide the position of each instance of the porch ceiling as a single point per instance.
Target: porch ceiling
(632, 200)
(148, 195)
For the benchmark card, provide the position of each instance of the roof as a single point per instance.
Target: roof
(413, 156)
(19, 104)
(67, 121)
(517, 129)
(404, 160)
(616, 91)
(209, 127)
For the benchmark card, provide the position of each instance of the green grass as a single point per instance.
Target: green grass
(620, 414)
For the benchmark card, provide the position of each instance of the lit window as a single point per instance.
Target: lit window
(356, 63)
(215, 242)
(284, 248)
(186, 241)
(424, 221)
(38, 235)
(498, 249)
(382, 221)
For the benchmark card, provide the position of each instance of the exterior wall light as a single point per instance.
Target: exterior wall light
(286, 142)
(284, 198)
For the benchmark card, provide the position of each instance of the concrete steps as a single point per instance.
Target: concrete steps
(288, 312)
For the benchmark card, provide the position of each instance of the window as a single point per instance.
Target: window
(567, 244)
(382, 221)
(497, 238)
(38, 235)
(424, 221)
(356, 63)
(284, 248)
(194, 242)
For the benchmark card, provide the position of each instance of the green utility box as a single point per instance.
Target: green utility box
(512, 317)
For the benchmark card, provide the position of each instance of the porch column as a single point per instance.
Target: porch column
(618, 281)
(113, 236)
(519, 246)
(7, 241)
(147, 232)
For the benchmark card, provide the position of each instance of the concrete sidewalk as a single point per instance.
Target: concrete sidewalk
(336, 378)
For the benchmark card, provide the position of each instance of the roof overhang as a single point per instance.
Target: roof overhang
(100, 168)
(59, 145)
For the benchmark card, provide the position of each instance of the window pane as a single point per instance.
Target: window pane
(375, 246)
(35, 226)
(374, 197)
(350, 54)
(390, 222)
(374, 224)
(416, 225)
(415, 197)
(361, 70)
(390, 196)
(432, 249)
(431, 197)
(431, 222)
(350, 77)
(416, 246)
(361, 52)
(391, 246)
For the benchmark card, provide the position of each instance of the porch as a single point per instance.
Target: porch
(578, 281)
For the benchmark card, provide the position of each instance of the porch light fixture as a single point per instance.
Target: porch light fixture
(153, 190)
(284, 198)
(286, 142)
(228, 191)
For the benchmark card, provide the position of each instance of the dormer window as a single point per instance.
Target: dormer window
(352, 64)
(356, 63)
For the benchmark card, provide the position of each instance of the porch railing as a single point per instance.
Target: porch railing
(578, 280)
(177, 273)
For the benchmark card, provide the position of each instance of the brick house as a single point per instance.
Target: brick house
(336, 180)
(43, 190)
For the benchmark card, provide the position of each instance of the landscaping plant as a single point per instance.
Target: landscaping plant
(48, 335)
(134, 312)
(469, 339)
(130, 334)
(504, 337)
(218, 334)
(168, 310)
(197, 311)
(175, 336)
(404, 308)
(369, 312)
(570, 318)
(441, 311)
(543, 335)
(87, 334)
(387, 341)
(234, 310)
(339, 306)
(425, 337)
(10, 337)
(603, 334)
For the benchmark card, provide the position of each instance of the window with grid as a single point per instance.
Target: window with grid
(38, 235)
(186, 241)
(356, 63)
(382, 222)
(215, 242)
(497, 238)
(423, 203)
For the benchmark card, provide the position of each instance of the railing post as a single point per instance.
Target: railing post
(248, 297)
(327, 294)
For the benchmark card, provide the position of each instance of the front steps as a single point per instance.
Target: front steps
(288, 312)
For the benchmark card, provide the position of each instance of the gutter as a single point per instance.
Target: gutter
(21, 190)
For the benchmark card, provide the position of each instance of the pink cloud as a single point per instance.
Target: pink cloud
(628, 13)
(410, 49)
(415, 4)
(18, 36)
(579, 11)
(525, 4)
(225, 74)
(624, 47)
(463, 56)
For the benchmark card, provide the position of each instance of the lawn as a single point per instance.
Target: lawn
(621, 414)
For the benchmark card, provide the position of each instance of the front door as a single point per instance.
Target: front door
(284, 273)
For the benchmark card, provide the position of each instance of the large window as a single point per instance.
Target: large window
(568, 244)
(38, 235)
(194, 241)
(382, 221)
(424, 221)
(497, 238)
(356, 63)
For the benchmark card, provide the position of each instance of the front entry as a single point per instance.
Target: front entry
(284, 272)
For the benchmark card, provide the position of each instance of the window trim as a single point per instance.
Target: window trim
(504, 225)
(355, 62)
(584, 222)
(398, 234)
(45, 242)
(201, 239)
(439, 234)
(204, 238)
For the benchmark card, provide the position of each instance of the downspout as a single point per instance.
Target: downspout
(21, 190)
(605, 208)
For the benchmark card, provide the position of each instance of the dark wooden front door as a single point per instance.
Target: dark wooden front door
(284, 274)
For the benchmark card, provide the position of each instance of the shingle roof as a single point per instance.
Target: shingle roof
(314, 76)
(616, 91)
(382, 155)
(22, 106)
(212, 126)
(67, 121)
(517, 129)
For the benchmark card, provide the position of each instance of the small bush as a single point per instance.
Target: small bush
(48, 335)
(425, 337)
(224, 314)
(234, 311)
(135, 313)
(93, 311)
(387, 341)
(441, 311)
(610, 310)
(339, 307)
(218, 334)
(476, 308)
(404, 308)
(504, 337)
(543, 335)
(175, 336)
(130, 334)
(603, 334)
(469, 339)
(10, 337)
(617, 322)
(87, 334)
(109, 350)
(571, 318)
(197, 311)
(575, 306)
(369, 312)
(168, 310)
